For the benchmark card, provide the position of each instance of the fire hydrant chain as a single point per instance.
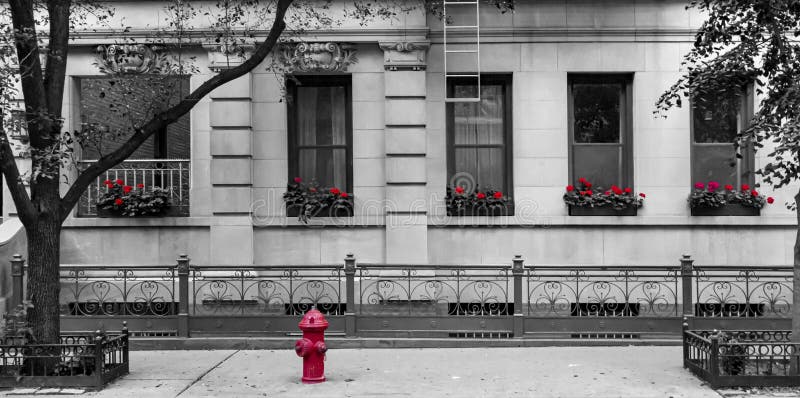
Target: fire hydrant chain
(312, 346)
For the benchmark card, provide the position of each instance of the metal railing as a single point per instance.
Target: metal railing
(173, 175)
(379, 299)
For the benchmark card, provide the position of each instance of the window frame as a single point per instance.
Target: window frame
(292, 83)
(626, 133)
(744, 164)
(506, 80)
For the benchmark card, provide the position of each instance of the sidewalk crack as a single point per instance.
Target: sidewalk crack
(205, 373)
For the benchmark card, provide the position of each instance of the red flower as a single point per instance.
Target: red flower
(745, 187)
(498, 195)
(617, 190)
(589, 192)
(107, 182)
(628, 190)
(344, 194)
(127, 189)
(729, 187)
(298, 180)
(588, 184)
(770, 200)
(699, 185)
(608, 193)
(481, 195)
(582, 180)
(312, 189)
(713, 185)
(570, 188)
(118, 202)
(754, 192)
(140, 185)
(642, 195)
(120, 182)
(459, 190)
(583, 193)
(335, 191)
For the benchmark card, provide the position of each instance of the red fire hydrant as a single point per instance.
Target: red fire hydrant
(312, 346)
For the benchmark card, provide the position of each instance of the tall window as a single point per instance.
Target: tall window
(479, 134)
(321, 130)
(600, 129)
(112, 107)
(716, 120)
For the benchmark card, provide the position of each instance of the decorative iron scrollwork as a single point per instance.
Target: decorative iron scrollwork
(319, 57)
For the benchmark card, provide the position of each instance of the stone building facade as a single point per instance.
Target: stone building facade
(391, 151)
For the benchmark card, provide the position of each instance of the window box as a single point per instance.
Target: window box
(600, 211)
(504, 210)
(735, 209)
(293, 210)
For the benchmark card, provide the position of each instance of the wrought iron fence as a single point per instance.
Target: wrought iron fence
(581, 291)
(743, 291)
(256, 290)
(80, 360)
(123, 290)
(434, 290)
(363, 298)
(171, 174)
(742, 357)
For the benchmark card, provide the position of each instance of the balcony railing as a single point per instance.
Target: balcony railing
(170, 174)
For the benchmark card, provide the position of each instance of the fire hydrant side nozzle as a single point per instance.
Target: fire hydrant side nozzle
(312, 346)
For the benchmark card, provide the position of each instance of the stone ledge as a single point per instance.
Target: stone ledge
(535, 221)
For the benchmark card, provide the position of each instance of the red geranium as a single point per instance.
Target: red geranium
(699, 185)
(608, 193)
(582, 180)
(335, 191)
(770, 200)
(729, 187)
(745, 187)
(617, 190)
(498, 195)
(344, 194)
(120, 182)
(754, 192)
(459, 190)
(588, 184)
(481, 195)
(107, 182)
(628, 190)
(127, 189)
(298, 180)
(140, 185)
(570, 188)
(312, 189)
(642, 195)
(589, 192)
(118, 202)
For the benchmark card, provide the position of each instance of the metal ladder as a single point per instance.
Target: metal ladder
(465, 48)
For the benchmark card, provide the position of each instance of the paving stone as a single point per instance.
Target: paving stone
(48, 391)
(72, 391)
(21, 391)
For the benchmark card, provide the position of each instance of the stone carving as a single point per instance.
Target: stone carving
(129, 58)
(319, 57)
(405, 55)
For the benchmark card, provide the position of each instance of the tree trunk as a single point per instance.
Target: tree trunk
(43, 278)
(796, 290)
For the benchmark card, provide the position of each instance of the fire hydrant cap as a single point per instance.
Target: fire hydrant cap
(313, 320)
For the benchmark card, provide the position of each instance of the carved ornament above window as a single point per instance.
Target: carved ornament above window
(319, 57)
(128, 58)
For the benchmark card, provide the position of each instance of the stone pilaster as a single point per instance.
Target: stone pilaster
(230, 118)
(406, 165)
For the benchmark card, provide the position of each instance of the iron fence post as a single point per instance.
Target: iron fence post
(125, 346)
(350, 295)
(519, 319)
(685, 328)
(99, 358)
(687, 271)
(183, 300)
(17, 284)
(713, 358)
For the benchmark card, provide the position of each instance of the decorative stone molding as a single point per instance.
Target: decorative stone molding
(220, 57)
(318, 57)
(405, 55)
(129, 58)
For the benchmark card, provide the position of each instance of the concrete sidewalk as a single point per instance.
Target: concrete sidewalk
(470, 372)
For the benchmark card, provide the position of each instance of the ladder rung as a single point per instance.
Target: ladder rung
(461, 26)
(460, 75)
(460, 51)
(462, 100)
(460, 2)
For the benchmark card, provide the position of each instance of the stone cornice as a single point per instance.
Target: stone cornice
(405, 55)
